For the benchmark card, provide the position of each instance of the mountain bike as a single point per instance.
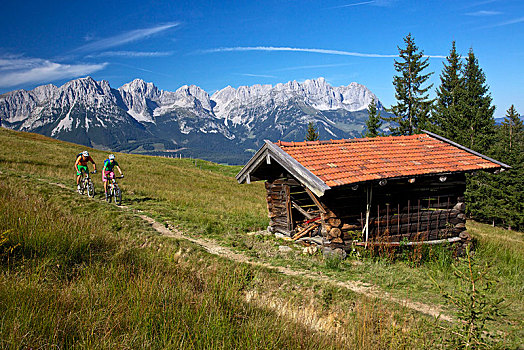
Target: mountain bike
(113, 191)
(86, 185)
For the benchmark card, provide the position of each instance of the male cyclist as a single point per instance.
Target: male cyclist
(107, 171)
(81, 166)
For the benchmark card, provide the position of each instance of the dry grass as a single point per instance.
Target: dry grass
(82, 273)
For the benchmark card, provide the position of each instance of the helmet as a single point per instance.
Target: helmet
(85, 154)
(111, 156)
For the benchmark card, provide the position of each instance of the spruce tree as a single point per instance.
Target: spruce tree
(477, 131)
(312, 133)
(510, 140)
(499, 198)
(413, 103)
(477, 126)
(373, 123)
(446, 114)
(512, 129)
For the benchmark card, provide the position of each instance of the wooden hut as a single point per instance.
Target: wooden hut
(384, 190)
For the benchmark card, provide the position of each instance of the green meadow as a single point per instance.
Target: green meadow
(81, 273)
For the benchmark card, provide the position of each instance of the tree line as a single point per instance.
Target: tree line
(462, 112)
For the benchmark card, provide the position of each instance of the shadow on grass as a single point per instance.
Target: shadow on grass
(139, 199)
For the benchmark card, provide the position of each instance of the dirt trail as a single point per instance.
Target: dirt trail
(215, 248)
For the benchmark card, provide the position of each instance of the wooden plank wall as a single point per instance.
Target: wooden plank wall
(425, 210)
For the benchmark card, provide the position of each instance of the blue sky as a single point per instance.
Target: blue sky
(213, 44)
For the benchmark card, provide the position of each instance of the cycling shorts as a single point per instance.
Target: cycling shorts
(107, 174)
(81, 168)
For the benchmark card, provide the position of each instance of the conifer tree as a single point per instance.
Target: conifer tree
(477, 131)
(312, 133)
(446, 114)
(512, 129)
(499, 198)
(477, 123)
(510, 149)
(413, 104)
(374, 122)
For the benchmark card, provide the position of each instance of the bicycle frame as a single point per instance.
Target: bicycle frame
(114, 191)
(87, 184)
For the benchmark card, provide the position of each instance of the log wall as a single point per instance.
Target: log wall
(278, 205)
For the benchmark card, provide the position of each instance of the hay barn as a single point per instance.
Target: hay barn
(383, 190)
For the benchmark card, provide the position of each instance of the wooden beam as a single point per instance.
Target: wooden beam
(288, 208)
(302, 211)
(436, 241)
(315, 200)
(305, 231)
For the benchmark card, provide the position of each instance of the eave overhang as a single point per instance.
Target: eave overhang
(294, 168)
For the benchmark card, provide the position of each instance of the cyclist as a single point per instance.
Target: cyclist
(81, 166)
(107, 171)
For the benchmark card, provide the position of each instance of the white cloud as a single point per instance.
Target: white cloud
(14, 62)
(132, 54)
(124, 38)
(257, 75)
(480, 3)
(313, 66)
(483, 13)
(17, 71)
(296, 49)
(354, 4)
(506, 23)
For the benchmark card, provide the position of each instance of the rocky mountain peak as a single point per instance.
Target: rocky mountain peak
(237, 119)
(192, 95)
(141, 88)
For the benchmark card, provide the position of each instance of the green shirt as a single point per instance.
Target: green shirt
(109, 166)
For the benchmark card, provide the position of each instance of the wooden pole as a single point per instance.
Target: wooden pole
(447, 208)
(315, 200)
(378, 221)
(409, 231)
(369, 194)
(288, 208)
(418, 215)
(387, 217)
(398, 213)
(429, 206)
(302, 211)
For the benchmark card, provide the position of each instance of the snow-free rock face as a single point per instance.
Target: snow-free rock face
(16, 106)
(229, 125)
(138, 97)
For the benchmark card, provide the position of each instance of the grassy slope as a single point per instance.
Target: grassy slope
(204, 200)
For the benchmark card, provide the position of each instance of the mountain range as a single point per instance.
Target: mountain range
(227, 126)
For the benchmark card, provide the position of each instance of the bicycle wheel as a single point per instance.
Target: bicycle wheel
(118, 195)
(82, 186)
(109, 193)
(90, 188)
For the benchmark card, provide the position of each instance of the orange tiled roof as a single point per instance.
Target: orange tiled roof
(342, 162)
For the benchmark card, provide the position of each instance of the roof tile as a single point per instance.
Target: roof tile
(342, 162)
